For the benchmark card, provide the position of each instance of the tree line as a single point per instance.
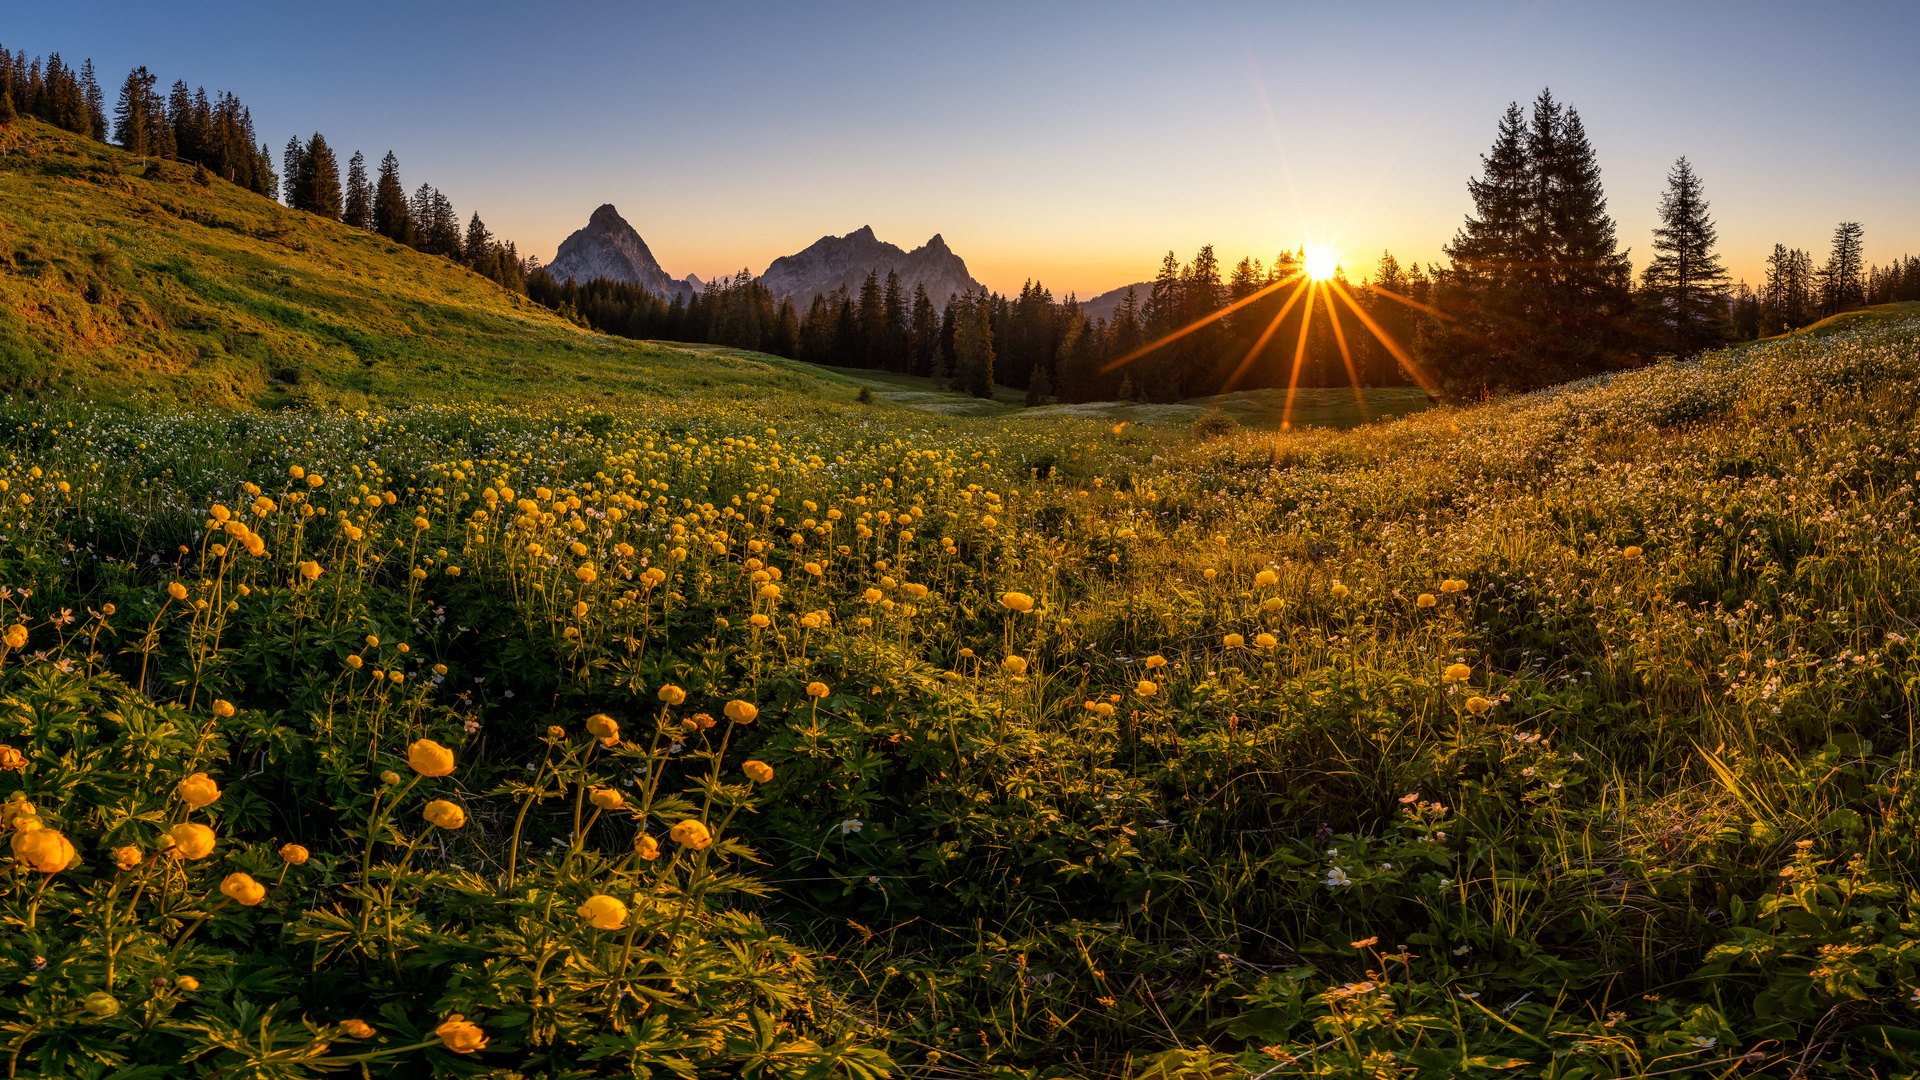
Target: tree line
(214, 133)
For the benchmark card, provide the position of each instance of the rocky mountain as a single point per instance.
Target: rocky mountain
(833, 261)
(1102, 306)
(610, 248)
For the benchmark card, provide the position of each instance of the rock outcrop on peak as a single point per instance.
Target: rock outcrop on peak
(833, 261)
(610, 248)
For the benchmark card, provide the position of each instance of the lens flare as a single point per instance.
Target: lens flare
(1321, 263)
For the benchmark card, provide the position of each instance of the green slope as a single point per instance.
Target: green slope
(122, 283)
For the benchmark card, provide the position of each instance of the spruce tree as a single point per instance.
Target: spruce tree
(1536, 290)
(1841, 286)
(357, 209)
(133, 126)
(924, 333)
(1684, 287)
(893, 318)
(96, 101)
(390, 217)
(973, 345)
(8, 114)
(1039, 387)
(324, 178)
(477, 243)
(295, 184)
(872, 322)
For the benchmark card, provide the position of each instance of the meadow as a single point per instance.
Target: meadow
(780, 735)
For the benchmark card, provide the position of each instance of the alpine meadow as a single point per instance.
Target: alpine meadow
(422, 658)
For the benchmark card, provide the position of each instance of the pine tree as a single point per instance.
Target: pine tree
(296, 186)
(186, 133)
(8, 114)
(96, 102)
(893, 331)
(872, 317)
(390, 216)
(1685, 285)
(357, 210)
(924, 333)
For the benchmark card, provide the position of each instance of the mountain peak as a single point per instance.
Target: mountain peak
(833, 262)
(610, 248)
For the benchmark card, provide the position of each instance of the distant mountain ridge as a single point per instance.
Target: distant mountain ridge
(1104, 305)
(833, 261)
(610, 248)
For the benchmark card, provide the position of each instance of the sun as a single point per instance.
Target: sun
(1321, 263)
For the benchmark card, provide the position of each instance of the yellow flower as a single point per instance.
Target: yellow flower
(1233, 641)
(646, 847)
(741, 712)
(12, 760)
(1266, 641)
(607, 798)
(16, 637)
(760, 622)
(871, 596)
(187, 983)
(1016, 601)
(420, 523)
(44, 850)
(389, 778)
(191, 840)
(198, 791)
(177, 590)
(1478, 706)
(817, 689)
(1146, 688)
(1426, 600)
(1015, 665)
(357, 1029)
(222, 708)
(1338, 591)
(445, 814)
(813, 568)
(127, 857)
(243, 889)
(672, 694)
(295, 854)
(1630, 553)
(587, 573)
(758, 771)
(296, 471)
(429, 758)
(1453, 585)
(100, 1003)
(354, 661)
(1156, 661)
(1266, 577)
(603, 912)
(1458, 673)
(691, 834)
(310, 570)
(460, 1036)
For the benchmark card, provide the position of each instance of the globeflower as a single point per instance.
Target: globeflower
(1630, 553)
(1016, 601)
(16, 637)
(607, 798)
(1425, 600)
(691, 834)
(1458, 673)
(198, 791)
(672, 694)
(817, 690)
(460, 1036)
(1266, 641)
(1266, 577)
(603, 912)
(310, 570)
(646, 847)
(1146, 688)
(245, 890)
(191, 840)
(176, 590)
(1338, 591)
(12, 760)
(741, 712)
(222, 708)
(758, 771)
(1233, 641)
(1478, 706)
(1156, 661)
(44, 850)
(429, 758)
(127, 857)
(1015, 665)
(294, 854)
(357, 1029)
(447, 815)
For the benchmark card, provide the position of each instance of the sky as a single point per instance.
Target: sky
(1074, 144)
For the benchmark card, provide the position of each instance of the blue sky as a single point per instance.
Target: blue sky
(1075, 143)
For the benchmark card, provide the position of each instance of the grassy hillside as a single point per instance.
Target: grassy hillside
(1565, 737)
(127, 282)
